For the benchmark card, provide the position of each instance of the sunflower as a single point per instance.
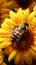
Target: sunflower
(24, 50)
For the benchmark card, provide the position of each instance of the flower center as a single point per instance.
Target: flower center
(24, 3)
(21, 37)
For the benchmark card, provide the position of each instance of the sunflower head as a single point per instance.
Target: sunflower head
(20, 27)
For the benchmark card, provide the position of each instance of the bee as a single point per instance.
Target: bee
(18, 32)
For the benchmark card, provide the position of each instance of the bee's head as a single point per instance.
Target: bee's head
(24, 26)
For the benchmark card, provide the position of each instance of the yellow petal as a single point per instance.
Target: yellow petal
(2, 31)
(17, 58)
(34, 8)
(12, 15)
(19, 19)
(34, 31)
(2, 39)
(5, 26)
(31, 17)
(5, 34)
(4, 44)
(26, 13)
(32, 53)
(8, 24)
(35, 42)
(33, 47)
(27, 58)
(20, 11)
(12, 55)
(34, 21)
(23, 16)
(34, 37)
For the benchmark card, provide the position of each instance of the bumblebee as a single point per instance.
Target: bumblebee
(18, 32)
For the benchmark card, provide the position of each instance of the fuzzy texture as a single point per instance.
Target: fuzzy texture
(25, 50)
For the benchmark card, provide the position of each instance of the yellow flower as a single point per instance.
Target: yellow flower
(25, 50)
